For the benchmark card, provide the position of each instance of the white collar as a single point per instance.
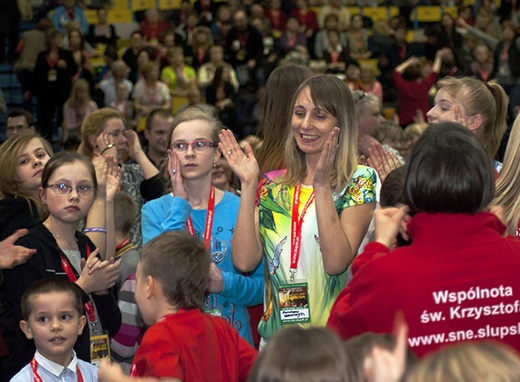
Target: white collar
(55, 368)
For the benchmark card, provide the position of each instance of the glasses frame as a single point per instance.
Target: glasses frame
(193, 147)
(56, 187)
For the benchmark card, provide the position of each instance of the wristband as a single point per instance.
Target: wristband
(96, 229)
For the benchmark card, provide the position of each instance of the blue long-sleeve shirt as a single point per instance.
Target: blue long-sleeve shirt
(170, 213)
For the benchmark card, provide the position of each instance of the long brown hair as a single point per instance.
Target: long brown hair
(280, 87)
(330, 93)
(10, 186)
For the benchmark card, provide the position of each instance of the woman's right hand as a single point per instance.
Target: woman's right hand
(244, 165)
(98, 275)
(174, 170)
(105, 145)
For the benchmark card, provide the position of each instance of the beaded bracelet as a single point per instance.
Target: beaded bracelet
(96, 229)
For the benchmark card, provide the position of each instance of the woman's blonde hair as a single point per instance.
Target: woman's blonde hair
(10, 186)
(80, 84)
(94, 125)
(469, 362)
(329, 93)
(487, 99)
(508, 183)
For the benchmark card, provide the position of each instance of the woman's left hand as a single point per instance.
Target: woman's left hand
(133, 144)
(326, 161)
(105, 145)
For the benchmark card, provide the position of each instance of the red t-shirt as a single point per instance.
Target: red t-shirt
(457, 281)
(193, 346)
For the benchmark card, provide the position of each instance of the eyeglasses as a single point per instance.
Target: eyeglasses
(200, 145)
(64, 189)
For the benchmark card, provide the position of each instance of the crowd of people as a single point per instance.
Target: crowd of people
(363, 228)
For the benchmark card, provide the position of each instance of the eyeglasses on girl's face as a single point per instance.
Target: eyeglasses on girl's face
(198, 145)
(64, 189)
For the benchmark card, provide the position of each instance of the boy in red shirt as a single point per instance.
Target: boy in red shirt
(183, 343)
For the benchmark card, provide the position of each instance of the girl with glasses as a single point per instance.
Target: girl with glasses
(68, 189)
(207, 212)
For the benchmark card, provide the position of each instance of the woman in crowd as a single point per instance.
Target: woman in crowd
(103, 134)
(274, 124)
(76, 109)
(194, 204)
(150, 93)
(308, 249)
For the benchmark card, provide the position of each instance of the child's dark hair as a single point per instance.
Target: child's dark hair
(66, 157)
(125, 212)
(180, 263)
(448, 171)
(50, 285)
(392, 188)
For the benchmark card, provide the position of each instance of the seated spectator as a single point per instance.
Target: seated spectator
(69, 12)
(451, 226)
(336, 55)
(152, 27)
(222, 95)
(306, 17)
(369, 83)
(120, 72)
(201, 42)
(184, 31)
(76, 109)
(482, 67)
(32, 43)
(124, 105)
(18, 121)
(131, 53)
(357, 39)
(207, 71)
(150, 93)
(178, 76)
(102, 32)
(277, 16)
(321, 42)
(292, 36)
(337, 8)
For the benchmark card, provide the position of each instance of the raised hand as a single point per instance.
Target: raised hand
(243, 164)
(389, 222)
(174, 170)
(113, 177)
(326, 161)
(12, 255)
(105, 145)
(384, 162)
(133, 144)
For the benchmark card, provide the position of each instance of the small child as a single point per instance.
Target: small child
(183, 343)
(53, 317)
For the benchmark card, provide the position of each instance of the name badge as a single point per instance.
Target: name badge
(52, 75)
(294, 303)
(99, 348)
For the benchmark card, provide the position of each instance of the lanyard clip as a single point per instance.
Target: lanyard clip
(292, 271)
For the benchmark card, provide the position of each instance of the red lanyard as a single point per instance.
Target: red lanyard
(296, 228)
(243, 37)
(37, 377)
(72, 277)
(209, 220)
(52, 64)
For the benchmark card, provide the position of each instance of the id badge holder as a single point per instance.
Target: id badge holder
(294, 303)
(52, 75)
(99, 348)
